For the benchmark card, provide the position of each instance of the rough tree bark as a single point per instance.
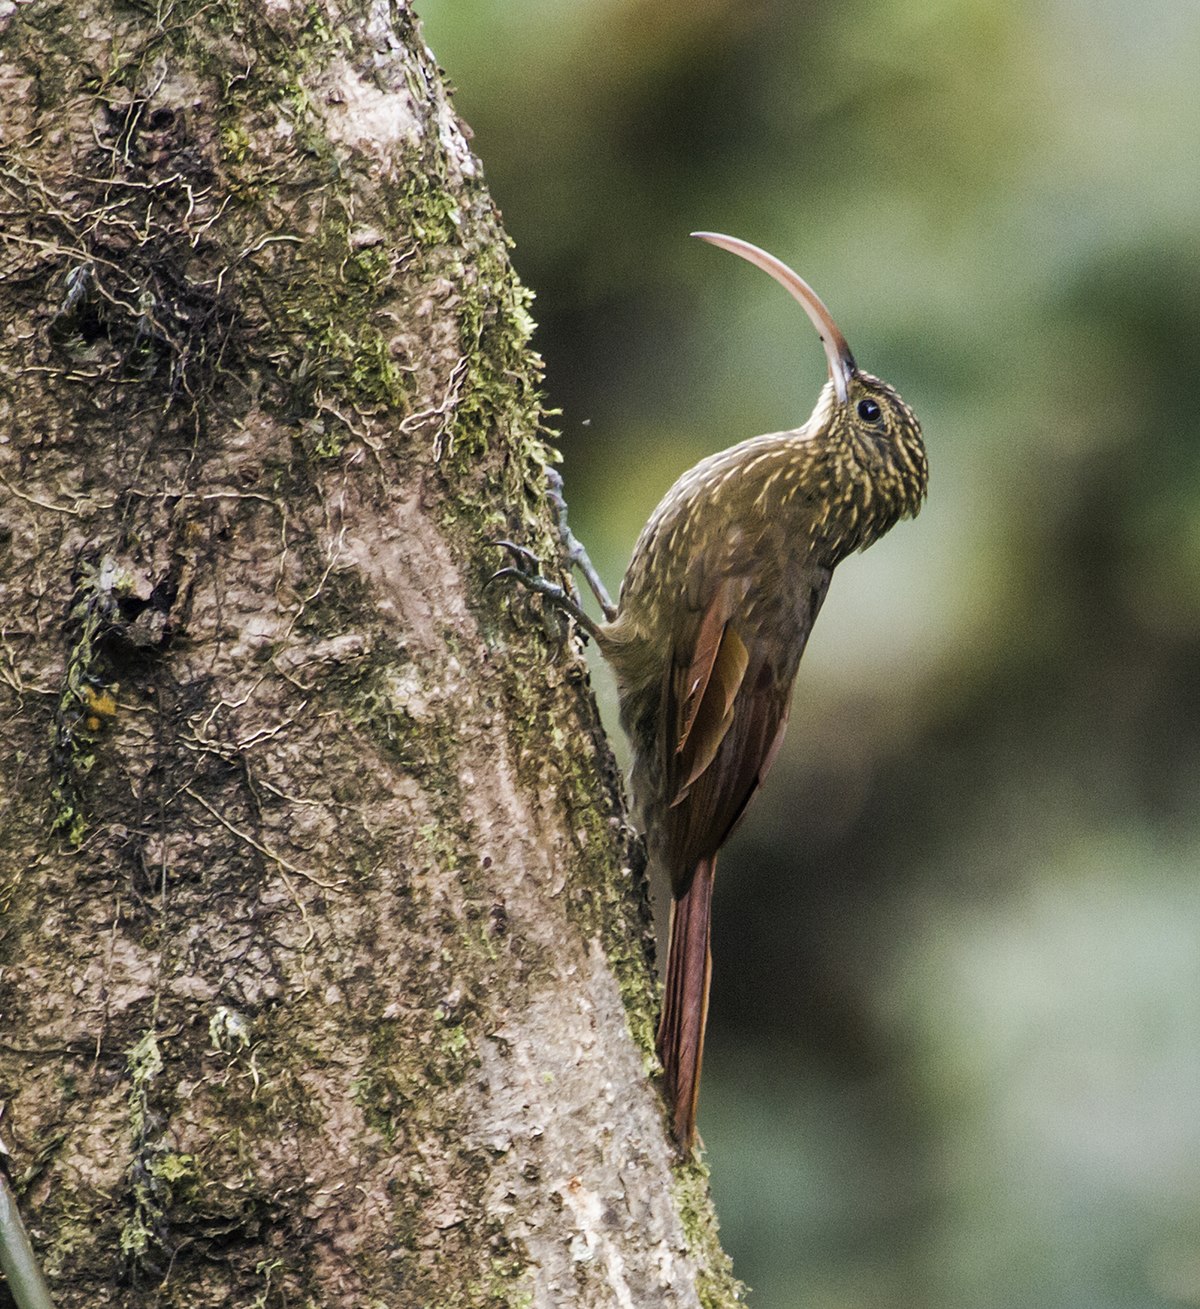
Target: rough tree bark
(324, 942)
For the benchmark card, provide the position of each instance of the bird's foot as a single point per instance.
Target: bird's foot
(576, 555)
(526, 569)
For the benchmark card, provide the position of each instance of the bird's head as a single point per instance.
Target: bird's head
(864, 423)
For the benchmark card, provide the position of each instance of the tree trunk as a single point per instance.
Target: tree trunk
(324, 941)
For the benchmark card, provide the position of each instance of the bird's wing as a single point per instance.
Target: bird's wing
(703, 686)
(727, 703)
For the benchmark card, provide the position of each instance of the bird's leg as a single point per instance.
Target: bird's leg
(526, 569)
(576, 554)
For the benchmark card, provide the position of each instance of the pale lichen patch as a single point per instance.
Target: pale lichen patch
(366, 117)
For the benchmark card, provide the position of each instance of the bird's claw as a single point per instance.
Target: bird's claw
(521, 552)
(526, 568)
(504, 572)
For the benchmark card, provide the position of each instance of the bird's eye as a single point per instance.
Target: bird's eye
(868, 411)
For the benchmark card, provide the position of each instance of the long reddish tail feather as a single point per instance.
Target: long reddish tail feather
(685, 1000)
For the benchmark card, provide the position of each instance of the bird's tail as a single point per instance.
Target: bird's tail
(685, 1000)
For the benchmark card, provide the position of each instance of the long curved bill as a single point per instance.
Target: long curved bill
(841, 361)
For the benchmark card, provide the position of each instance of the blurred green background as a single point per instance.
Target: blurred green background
(954, 1058)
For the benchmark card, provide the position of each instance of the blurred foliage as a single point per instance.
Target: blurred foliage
(955, 1042)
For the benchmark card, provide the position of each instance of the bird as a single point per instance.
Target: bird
(713, 615)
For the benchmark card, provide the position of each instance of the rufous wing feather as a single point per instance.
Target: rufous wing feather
(708, 708)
